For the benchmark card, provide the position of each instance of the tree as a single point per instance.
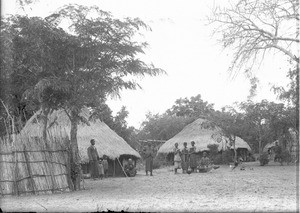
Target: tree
(194, 107)
(251, 28)
(256, 27)
(162, 127)
(266, 122)
(229, 122)
(87, 63)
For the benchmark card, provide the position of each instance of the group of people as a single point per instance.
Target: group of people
(186, 159)
(98, 166)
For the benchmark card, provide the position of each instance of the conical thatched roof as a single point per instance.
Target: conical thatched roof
(107, 141)
(201, 136)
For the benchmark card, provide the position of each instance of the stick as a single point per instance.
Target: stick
(122, 167)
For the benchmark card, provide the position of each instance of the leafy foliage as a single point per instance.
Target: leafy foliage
(194, 107)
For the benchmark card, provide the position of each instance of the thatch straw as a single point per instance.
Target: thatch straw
(33, 165)
(201, 136)
(107, 141)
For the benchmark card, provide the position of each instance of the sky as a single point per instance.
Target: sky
(181, 43)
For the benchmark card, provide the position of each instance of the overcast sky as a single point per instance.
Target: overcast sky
(182, 44)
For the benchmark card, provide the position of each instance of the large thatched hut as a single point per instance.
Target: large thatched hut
(108, 142)
(202, 137)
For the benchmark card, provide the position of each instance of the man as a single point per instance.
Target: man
(177, 158)
(129, 168)
(93, 160)
(149, 155)
(184, 158)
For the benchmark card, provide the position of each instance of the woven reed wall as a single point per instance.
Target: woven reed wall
(33, 166)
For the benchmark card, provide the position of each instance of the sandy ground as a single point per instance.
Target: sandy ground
(269, 188)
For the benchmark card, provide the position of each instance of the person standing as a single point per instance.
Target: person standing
(149, 155)
(105, 165)
(93, 160)
(193, 157)
(177, 158)
(184, 158)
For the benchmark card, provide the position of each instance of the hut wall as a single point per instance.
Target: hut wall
(33, 167)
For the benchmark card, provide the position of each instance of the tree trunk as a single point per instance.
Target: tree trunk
(45, 112)
(297, 100)
(75, 159)
(235, 153)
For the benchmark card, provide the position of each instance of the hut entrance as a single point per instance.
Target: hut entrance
(114, 167)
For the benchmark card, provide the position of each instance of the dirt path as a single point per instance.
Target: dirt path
(269, 188)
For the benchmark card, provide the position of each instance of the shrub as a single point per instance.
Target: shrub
(264, 159)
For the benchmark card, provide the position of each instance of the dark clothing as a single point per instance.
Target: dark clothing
(184, 159)
(130, 170)
(93, 159)
(149, 155)
(92, 153)
(94, 169)
(193, 157)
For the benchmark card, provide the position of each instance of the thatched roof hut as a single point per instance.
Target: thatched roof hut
(108, 142)
(202, 137)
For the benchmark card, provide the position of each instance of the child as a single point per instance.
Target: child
(101, 169)
(105, 165)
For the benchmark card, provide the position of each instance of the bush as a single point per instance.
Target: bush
(264, 159)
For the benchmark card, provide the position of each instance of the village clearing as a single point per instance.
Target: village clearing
(257, 188)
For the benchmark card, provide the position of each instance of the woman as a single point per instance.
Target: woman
(177, 158)
(193, 157)
(149, 155)
(184, 158)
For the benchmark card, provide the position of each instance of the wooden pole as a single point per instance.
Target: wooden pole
(29, 169)
(122, 167)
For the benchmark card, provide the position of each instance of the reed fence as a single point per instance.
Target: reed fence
(30, 165)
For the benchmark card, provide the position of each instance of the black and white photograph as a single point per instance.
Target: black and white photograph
(149, 106)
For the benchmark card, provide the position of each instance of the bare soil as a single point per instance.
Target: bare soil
(268, 188)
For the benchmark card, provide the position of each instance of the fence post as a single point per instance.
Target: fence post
(29, 169)
(16, 190)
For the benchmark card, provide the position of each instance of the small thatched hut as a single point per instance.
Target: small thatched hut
(202, 137)
(107, 141)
